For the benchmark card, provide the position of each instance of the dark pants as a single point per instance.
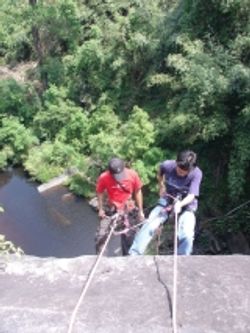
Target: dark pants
(126, 241)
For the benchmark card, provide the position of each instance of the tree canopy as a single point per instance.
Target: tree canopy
(138, 79)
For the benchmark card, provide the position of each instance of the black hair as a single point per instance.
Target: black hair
(186, 160)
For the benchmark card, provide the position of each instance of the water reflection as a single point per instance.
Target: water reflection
(56, 223)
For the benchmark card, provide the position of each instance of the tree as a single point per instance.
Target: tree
(54, 27)
(19, 100)
(58, 110)
(15, 140)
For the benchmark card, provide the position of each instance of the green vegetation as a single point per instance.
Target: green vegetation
(7, 247)
(139, 79)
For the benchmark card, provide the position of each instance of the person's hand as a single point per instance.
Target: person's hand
(141, 215)
(177, 207)
(101, 213)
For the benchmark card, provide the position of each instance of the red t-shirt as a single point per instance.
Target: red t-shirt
(116, 194)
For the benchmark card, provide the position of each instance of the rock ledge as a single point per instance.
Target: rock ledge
(127, 295)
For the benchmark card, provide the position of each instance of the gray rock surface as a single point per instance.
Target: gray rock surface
(127, 295)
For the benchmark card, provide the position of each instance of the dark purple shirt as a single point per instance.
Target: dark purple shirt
(189, 184)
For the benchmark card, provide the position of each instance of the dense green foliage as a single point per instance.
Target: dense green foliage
(138, 79)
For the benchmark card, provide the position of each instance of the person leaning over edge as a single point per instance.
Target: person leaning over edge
(180, 179)
(120, 184)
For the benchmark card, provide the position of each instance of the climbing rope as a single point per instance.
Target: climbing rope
(158, 241)
(90, 277)
(126, 229)
(175, 270)
(115, 219)
(204, 223)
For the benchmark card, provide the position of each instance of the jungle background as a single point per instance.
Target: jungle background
(82, 81)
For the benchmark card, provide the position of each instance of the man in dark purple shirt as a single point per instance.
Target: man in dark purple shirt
(180, 179)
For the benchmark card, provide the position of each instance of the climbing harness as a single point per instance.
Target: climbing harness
(123, 225)
(168, 208)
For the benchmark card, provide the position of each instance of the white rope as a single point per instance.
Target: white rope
(174, 304)
(226, 215)
(83, 293)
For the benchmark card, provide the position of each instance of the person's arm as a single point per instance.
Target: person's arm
(182, 203)
(101, 212)
(101, 189)
(139, 203)
(194, 191)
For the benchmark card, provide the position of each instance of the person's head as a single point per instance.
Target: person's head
(116, 167)
(186, 161)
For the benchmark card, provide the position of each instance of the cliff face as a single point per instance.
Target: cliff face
(126, 295)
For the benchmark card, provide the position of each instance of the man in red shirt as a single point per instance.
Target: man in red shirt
(119, 184)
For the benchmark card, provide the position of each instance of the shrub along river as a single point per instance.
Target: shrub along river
(52, 223)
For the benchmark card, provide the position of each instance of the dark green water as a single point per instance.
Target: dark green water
(54, 223)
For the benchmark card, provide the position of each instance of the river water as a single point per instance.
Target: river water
(55, 223)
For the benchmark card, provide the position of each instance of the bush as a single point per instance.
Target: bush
(18, 100)
(15, 141)
(50, 160)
